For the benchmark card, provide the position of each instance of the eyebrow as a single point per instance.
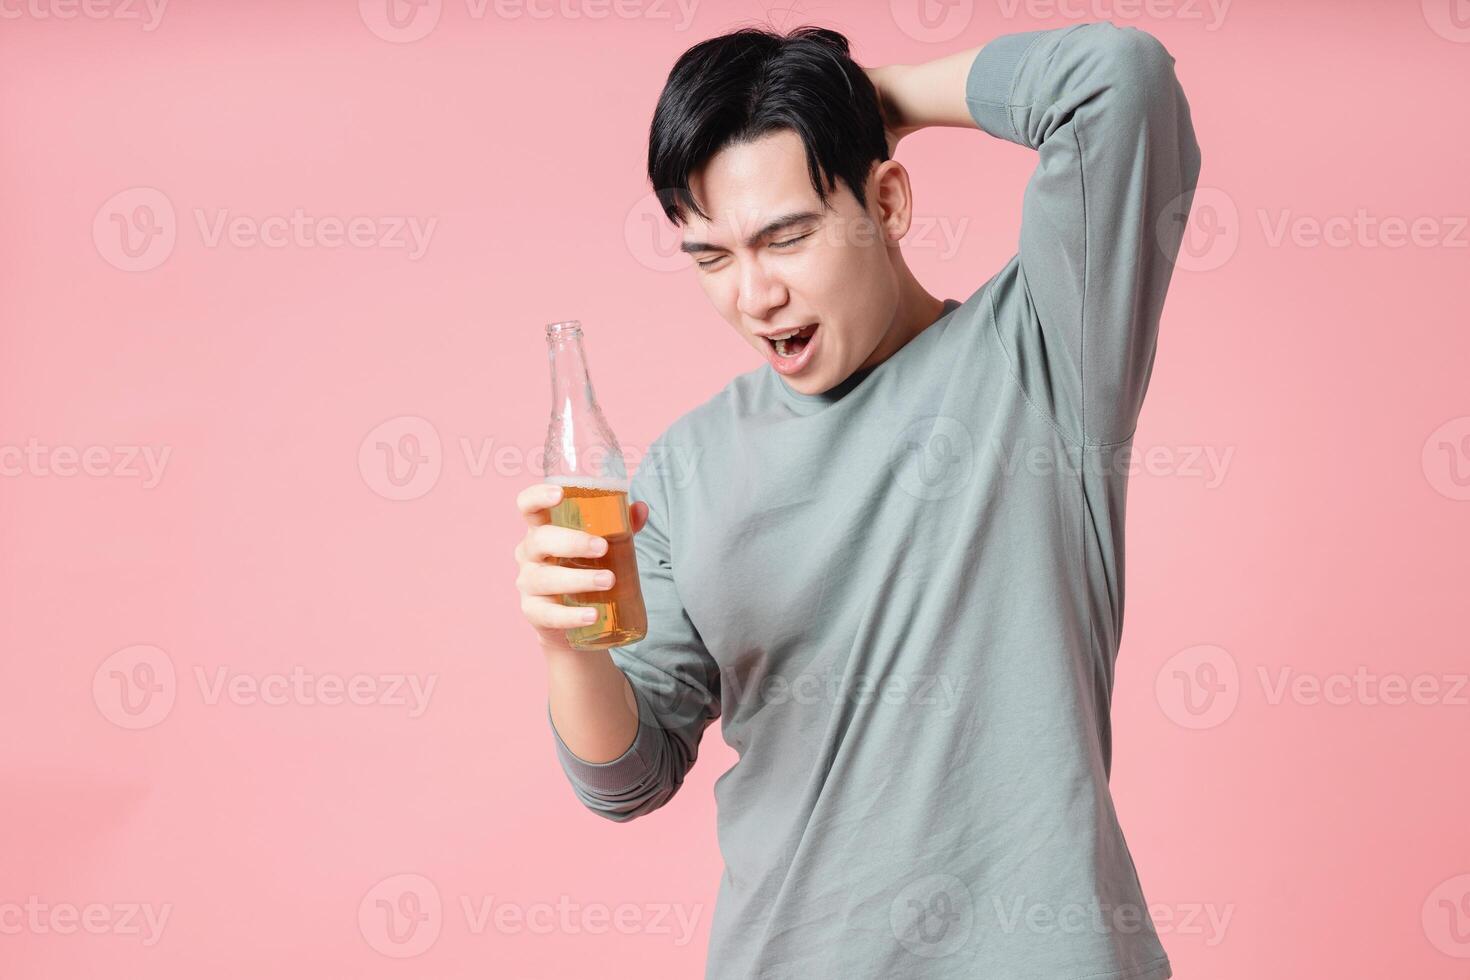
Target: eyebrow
(770, 228)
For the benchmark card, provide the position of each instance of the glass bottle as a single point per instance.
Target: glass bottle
(583, 457)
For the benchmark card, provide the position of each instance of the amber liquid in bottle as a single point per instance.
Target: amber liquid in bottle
(621, 617)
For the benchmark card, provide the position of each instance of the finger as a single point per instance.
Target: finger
(534, 501)
(553, 541)
(548, 614)
(638, 514)
(558, 580)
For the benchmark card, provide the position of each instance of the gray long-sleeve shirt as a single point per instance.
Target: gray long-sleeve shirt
(904, 596)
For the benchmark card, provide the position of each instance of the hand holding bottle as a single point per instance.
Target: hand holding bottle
(556, 561)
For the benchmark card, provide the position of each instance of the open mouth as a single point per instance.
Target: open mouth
(792, 347)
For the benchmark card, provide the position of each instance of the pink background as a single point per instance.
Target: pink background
(1326, 544)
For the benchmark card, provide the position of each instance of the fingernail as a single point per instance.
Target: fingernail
(588, 615)
(603, 579)
(599, 546)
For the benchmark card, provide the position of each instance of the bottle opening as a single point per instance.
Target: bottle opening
(564, 328)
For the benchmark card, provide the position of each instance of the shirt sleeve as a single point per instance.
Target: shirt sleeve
(675, 680)
(1102, 216)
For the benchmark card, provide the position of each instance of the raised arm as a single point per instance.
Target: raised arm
(1102, 215)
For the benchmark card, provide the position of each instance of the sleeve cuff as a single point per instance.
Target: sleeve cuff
(991, 79)
(621, 774)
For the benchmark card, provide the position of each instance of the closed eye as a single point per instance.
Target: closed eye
(791, 241)
(785, 243)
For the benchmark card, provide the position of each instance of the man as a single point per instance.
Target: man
(896, 569)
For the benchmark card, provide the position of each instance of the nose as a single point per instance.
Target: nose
(760, 293)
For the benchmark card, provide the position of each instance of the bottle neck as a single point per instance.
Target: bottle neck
(571, 382)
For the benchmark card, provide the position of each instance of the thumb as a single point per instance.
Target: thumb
(638, 513)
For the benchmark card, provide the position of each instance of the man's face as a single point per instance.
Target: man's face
(829, 267)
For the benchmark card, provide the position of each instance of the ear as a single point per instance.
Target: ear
(892, 199)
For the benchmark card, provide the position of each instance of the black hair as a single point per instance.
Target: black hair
(745, 84)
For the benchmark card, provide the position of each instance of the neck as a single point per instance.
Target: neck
(915, 311)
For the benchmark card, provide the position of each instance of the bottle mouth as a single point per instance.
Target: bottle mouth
(564, 328)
